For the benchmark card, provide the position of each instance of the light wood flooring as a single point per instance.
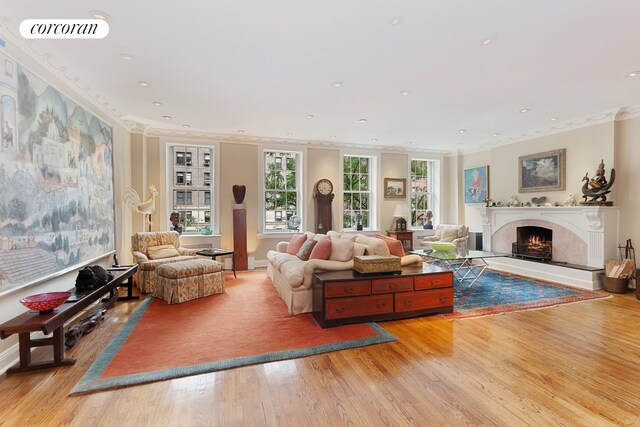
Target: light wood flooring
(571, 365)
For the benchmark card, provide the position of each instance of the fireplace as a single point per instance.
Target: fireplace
(533, 242)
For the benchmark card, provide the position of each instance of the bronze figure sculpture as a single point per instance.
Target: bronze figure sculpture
(598, 187)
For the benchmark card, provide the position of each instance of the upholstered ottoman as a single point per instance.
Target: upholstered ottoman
(186, 280)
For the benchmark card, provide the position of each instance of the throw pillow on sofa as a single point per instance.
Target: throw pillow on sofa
(341, 250)
(296, 243)
(322, 250)
(305, 250)
(395, 246)
(162, 251)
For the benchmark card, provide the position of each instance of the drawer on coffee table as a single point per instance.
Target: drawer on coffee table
(347, 289)
(392, 284)
(340, 308)
(423, 299)
(432, 281)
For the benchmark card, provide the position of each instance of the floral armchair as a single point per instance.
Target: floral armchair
(151, 249)
(452, 233)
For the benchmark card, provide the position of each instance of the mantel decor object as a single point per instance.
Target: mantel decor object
(596, 189)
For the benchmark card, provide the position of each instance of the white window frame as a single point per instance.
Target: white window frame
(300, 184)
(374, 179)
(433, 183)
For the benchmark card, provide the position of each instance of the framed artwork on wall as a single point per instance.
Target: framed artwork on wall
(56, 183)
(476, 184)
(395, 187)
(542, 171)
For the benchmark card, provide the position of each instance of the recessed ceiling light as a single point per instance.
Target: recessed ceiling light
(633, 74)
(98, 14)
(240, 130)
(289, 133)
(337, 84)
(166, 117)
(157, 103)
(374, 140)
(332, 136)
(404, 92)
(462, 131)
(186, 126)
(409, 143)
(310, 116)
(553, 119)
(524, 110)
(126, 57)
(396, 20)
(486, 42)
(143, 83)
(496, 134)
(362, 121)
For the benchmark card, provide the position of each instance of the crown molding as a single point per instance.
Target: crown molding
(261, 140)
(627, 113)
(45, 59)
(591, 120)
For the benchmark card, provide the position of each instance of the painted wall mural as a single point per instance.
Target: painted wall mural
(56, 181)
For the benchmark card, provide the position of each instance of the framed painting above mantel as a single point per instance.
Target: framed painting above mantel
(542, 171)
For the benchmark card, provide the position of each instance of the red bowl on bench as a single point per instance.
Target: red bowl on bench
(45, 302)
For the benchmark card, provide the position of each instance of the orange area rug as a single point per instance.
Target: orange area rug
(246, 325)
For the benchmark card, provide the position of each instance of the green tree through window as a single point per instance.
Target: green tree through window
(281, 195)
(357, 191)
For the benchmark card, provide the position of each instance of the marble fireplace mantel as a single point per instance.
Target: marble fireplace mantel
(596, 228)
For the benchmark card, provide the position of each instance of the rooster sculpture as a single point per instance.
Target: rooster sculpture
(146, 208)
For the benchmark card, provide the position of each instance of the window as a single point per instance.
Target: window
(282, 194)
(358, 176)
(424, 190)
(194, 205)
(180, 158)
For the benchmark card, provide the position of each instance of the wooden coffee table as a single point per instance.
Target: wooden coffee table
(214, 253)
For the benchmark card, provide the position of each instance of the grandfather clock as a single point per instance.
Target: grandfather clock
(322, 198)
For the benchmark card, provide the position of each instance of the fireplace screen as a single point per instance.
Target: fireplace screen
(533, 242)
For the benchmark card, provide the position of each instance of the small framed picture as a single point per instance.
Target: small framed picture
(476, 184)
(395, 187)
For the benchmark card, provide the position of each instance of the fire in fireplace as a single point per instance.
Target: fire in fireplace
(533, 242)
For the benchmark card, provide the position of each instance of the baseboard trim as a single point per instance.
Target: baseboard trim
(9, 357)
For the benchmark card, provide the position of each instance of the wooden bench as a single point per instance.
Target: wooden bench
(34, 321)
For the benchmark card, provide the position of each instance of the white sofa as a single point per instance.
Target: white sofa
(293, 277)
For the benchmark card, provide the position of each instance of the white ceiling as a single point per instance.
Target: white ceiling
(262, 66)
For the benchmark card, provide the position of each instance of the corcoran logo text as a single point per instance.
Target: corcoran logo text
(64, 29)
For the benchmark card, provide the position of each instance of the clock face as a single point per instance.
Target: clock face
(324, 187)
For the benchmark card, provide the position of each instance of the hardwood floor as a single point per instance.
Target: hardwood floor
(572, 365)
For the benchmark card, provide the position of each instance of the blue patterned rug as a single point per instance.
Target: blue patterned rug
(499, 293)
